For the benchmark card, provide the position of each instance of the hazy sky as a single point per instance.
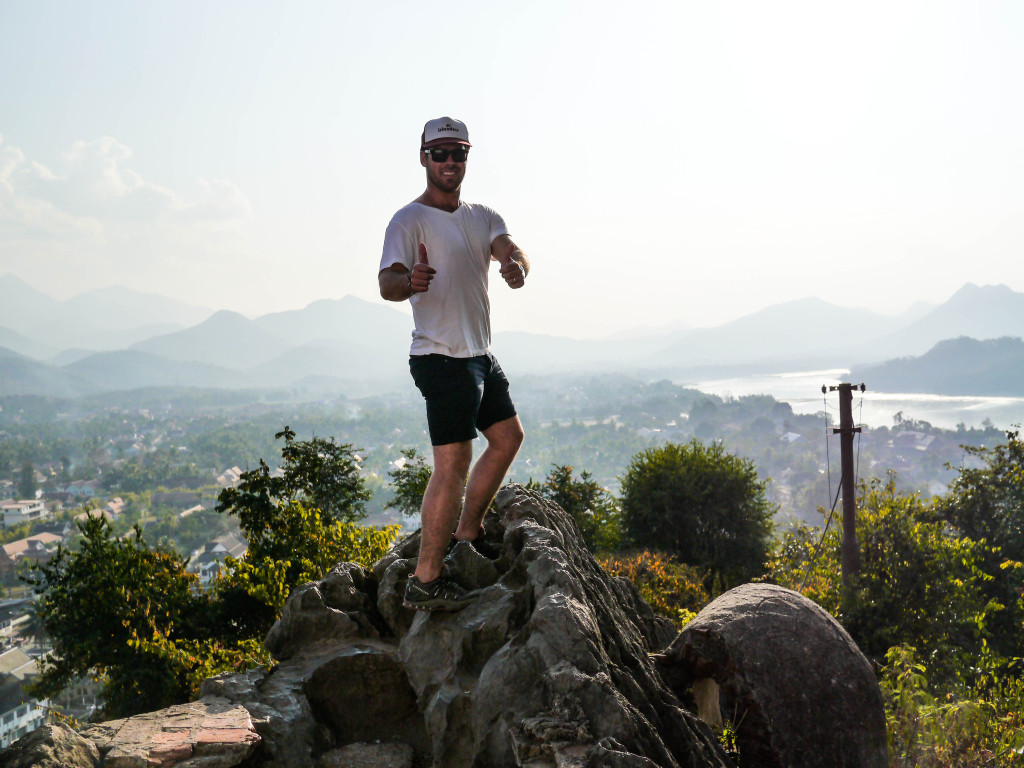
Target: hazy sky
(659, 162)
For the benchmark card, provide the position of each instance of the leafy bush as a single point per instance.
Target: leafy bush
(672, 589)
(984, 726)
(918, 585)
(986, 503)
(97, 600)
(592, 508)
(702, 505)
(249, 597)
(313, 545)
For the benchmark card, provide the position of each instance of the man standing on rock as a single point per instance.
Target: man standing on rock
(437, 251)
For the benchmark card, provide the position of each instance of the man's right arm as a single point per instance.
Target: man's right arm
(395, 283)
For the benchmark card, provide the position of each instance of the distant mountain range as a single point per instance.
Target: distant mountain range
(977, 312)
(962, 366)
(104, 319)
(797, 335)
(116, 339)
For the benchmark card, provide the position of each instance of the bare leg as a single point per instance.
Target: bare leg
(441, 503)
(503, 441)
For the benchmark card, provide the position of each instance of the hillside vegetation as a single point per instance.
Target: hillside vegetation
(937, 604)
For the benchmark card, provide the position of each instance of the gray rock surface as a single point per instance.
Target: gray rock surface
(548, 666)
(52, 746)
(341, 606)
(280, 711)
(797, 688)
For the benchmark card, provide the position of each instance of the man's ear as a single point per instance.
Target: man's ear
(423, 158)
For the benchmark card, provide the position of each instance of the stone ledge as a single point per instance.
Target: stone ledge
(207, 733)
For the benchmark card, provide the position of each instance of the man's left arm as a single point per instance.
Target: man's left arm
(514, 264)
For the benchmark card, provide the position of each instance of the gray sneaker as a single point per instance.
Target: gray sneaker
(441, 594)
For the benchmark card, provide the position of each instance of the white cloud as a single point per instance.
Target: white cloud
(67, 227)
(24, 216)
(220, 201)
(93, 166)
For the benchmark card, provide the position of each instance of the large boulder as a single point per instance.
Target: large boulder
(549, 665)
(798, 691)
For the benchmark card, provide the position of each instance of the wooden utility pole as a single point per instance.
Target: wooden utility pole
(846, 431)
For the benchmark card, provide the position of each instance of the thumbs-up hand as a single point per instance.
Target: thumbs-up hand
(512, 270)
(422, 273)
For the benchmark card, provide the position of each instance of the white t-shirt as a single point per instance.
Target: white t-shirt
(453, 317)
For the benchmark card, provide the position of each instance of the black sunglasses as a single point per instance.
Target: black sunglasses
(440, 155)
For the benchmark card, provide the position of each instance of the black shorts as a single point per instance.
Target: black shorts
(463, 394)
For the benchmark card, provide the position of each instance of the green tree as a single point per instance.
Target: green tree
(27, 481)
(34, 628)
(317, 472)
(918, 585)
(409, 483)
(701, 504)
(986, 503)
(593, 509)
(290, 539)
(96, 601)
(131, 613)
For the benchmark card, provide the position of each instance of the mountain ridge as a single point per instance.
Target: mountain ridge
(961, 366)
(225, 338)
(979, 312)
(105, 318)
(351, 339)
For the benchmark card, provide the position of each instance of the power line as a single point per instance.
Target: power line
(817, 549)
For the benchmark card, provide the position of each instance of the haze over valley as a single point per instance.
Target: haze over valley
(118, 339)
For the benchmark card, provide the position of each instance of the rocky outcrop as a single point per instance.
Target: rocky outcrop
(548, 666)
(551, 666)
(786, 674)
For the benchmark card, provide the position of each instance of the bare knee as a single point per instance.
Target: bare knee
(451, 462)
(517, 436)
(506, 436)
(449, 476)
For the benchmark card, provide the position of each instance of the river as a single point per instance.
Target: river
(802, 390)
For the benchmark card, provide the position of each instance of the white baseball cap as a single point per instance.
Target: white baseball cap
(444, 130)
